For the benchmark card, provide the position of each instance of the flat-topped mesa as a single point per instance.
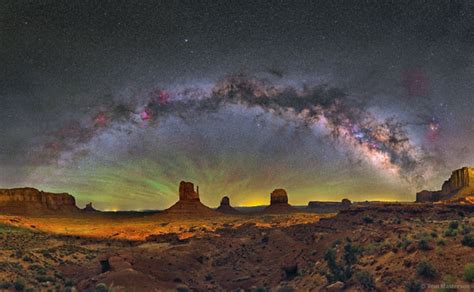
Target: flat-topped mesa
(329, 207)
(278, 196)
(225, 206)
(459, 186)
(24, 201)
(279, 202)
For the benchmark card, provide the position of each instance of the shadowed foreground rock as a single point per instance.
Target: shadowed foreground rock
(225, 207)
(189, 203)
(30, 201)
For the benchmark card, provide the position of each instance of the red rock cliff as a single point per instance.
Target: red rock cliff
(459, 185)
(33, 201)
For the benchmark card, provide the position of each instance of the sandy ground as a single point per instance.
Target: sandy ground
(374, 248)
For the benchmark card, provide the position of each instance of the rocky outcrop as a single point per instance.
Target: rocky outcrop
(186, 191)
(278, 196)
(279, 202)
(457, 187)
(189, 203)
(89, 208)
(329, 207)
(30, 201)
(225, 207)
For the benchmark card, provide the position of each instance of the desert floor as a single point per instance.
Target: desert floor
(383, 247)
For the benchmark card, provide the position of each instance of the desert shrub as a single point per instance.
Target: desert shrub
(101, 287)
(182, 288)
(450, 232)
(368, 219)
(441, 242)
(336, 273)
(426, 269)
(68, 283)
(19, 285)
(465, 229)
(404, 243)
(448, 282)
(291, 271)
(469, 272)
(468, 240)
(341, 272)
(413, 286)
(434, 234)
(454, 224)
(424, 245)
(259, 289)
(5, 285)
(43, 279)
(365, 279)
(284, 289)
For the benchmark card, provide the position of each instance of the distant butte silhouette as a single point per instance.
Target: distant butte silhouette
(189, 203)
(225, 206)
(279, 202)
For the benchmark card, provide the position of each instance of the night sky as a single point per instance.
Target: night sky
(116, 102)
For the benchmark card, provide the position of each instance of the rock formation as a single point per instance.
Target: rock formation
(225, 207)
(89, 208)
(329, 207)
(186, 191)
(460, 185)
(189, 203)
(30, 201)
(279, 202)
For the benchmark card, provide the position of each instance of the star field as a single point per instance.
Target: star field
(116, 102)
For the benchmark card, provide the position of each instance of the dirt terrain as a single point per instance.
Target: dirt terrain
(375, 247)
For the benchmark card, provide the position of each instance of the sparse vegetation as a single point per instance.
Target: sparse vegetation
(413, 286)
(454, 224)
(424, 245)
(450, 232)
(19, 285)
(448, 282)
(368, 220)
(101, 287)
(349, 258)
(469, 272)
(426, 269)
(365, 279)
(468, 240)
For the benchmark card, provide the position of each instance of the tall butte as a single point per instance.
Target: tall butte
(189, 203)
(279, 202)
(458, 188)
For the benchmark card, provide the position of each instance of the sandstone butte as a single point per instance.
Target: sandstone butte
(279, 202)
(458, 188)
(189, 202)
(30, 201)
(225, 206)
